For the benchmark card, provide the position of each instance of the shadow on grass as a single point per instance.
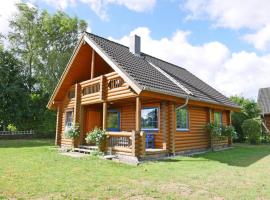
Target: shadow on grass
(22, 143)
(242, 155)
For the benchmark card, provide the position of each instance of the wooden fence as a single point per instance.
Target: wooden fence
(17, 134)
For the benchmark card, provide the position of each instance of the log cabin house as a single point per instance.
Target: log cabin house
(147, 106)
(264, 104)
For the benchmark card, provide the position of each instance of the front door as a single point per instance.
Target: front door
(92, 119)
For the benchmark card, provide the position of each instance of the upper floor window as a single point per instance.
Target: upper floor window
(113, 120)
(71, 94)
(218, 118)
(182, 119)
(149, 119)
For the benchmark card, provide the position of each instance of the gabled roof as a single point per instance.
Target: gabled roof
(146, 72)
(264, 100)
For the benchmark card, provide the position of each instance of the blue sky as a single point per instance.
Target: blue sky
(225, 43)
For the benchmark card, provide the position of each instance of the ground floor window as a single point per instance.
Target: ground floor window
(69, 119)
(218, 118)
(113, 120)
(182, 121)
(149, 119)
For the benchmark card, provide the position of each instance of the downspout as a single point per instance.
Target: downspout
(178, 85)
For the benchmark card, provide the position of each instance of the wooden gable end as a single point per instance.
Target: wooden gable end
(86, 64)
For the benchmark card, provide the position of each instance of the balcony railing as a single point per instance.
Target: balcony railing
(128, 143)
(109, 86)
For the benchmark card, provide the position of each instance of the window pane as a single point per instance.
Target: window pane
(113, 120)
(69, 119)
(149, 118)
(217, 117)
(182, 118)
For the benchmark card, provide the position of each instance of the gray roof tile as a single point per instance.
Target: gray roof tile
(149, 78)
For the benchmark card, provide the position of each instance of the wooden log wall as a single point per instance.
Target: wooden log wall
(196, 137)
(67, 105)
(267, 121)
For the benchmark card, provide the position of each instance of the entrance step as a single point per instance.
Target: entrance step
(89, 147)
(80, 150)
(109, 157)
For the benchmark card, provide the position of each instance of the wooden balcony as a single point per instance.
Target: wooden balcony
(105, 88)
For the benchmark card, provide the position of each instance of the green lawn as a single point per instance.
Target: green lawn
(34, 170)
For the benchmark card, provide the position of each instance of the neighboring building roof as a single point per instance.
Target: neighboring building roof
(142, 69)
(264, 100)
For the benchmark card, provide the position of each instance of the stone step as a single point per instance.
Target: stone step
(88, 147)
(88, 151)
(109, 157)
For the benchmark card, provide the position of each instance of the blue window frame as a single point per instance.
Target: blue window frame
(149, 119)
(182, 120)
(113, 120)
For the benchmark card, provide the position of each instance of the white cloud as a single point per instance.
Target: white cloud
(229, 72)
(7, 8)
(260, 39)
(230, 13)
(250, 14)
(100, 6)
(59, 4)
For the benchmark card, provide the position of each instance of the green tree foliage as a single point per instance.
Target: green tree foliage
(252, 129)
(43, 43)
(249, 110)
(13, 95)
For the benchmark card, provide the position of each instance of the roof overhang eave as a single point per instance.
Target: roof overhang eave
(234, 108)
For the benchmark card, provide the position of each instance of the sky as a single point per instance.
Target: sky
(224, 43)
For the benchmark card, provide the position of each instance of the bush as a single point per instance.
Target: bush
(214, 129)
(252, 129)
(11, 128)
(229, 131)
(96, 136)
(73, 132)
(237, 121)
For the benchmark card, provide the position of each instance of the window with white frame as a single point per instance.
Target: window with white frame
(149, 118)
(69, 119)
(182, 121)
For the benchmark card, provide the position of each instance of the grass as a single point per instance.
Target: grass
(32, 169)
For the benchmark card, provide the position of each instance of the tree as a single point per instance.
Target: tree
(22, 39)
(13, 95)
(249, 110)
(44, 43)
(59, 34)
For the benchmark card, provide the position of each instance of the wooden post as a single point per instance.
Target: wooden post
(211, 139)
(143, 135)
(172, 127)
(133, 143)
(104, 116)
(138, 114)
(230, 123)
(93, 64)
(77, 109)
(164, 121)
(58, 125)
(102, 87)
(137, 126)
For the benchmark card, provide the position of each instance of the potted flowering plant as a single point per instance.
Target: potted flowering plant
(98, 137)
